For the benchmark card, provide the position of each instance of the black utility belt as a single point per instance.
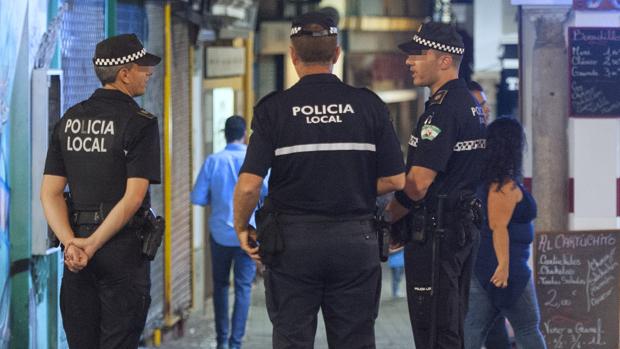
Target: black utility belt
(285, 218)
(96, 218)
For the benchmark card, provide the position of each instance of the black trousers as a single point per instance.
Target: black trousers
(332, 266)
(104, 306)
(455, 268)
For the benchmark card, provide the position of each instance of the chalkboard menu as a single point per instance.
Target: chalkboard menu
(594, 70)
(577, 281)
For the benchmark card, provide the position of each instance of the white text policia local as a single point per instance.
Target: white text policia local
(82, 132)
(323, 114)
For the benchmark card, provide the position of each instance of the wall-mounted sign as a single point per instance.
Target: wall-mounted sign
(594, 72)
(224, 61)
(576, 276)
(274, 37)
(602, 5)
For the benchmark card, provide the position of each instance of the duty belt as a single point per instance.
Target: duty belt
(95, 218)
(86, 217)
(314, 218)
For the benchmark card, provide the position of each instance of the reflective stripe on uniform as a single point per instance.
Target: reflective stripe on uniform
(305, 148)
(470, 145)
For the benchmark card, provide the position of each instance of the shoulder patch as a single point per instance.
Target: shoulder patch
(145, 114)
(430, 132)
(266, 97)
(438, 97)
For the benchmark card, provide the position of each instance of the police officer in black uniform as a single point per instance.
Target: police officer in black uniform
(443, 170)
(106, 149)
(331, 149)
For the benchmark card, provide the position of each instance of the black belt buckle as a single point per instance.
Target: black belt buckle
(86, 217)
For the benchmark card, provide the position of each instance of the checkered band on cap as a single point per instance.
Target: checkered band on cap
(438, 46)
(332, 31)
(121, 60)
(295, 30)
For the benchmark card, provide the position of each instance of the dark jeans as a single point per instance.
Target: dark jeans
(332, 266)
(244, 270)
(104, 306)
(497, 338)
(524, 317)
(455, 269)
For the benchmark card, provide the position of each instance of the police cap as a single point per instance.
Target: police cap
(123, 49)
(321, 18)
(438, 36)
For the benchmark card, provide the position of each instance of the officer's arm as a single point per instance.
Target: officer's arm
(247, 193)
(389, 184)
(55, 207)
(419, 179)
(121, 213)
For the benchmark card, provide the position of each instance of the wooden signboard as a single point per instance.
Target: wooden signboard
(577, 281)
(594, 72)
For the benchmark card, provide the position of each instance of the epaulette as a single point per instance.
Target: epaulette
(266, 97)
(369, 90)
(145, 114)
(438, 97)
(77, 108)
(373, 93)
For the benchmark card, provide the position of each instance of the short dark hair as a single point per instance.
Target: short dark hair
(474, 86)
(315, 49)
(456, 59)
(234, 128)
(504, 151)
(107, 74)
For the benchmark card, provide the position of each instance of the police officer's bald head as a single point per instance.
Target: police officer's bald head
(314, 36)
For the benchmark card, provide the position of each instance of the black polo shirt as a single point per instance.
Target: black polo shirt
(326, 143)
(100, 143)
(450, 138)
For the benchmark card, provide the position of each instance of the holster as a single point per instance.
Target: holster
(269, 235)
(419, 224)
(383, 230)
(152, 233)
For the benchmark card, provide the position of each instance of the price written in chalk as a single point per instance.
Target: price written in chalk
(577, 277)
(594, 60)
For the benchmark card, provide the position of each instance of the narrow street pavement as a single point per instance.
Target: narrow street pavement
(392, 328)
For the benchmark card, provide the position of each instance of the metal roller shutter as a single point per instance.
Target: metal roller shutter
(181, 170)
(153, 102)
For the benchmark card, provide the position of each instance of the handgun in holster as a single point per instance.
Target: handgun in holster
(152, 233)
(268, 235)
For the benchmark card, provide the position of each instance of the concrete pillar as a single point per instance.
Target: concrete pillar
(550, 117)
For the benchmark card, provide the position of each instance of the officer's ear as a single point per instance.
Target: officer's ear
(445, 61)
(123, 74)
(294, 56)
(336, 55)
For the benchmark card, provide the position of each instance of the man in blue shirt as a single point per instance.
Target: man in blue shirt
(214, 186)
